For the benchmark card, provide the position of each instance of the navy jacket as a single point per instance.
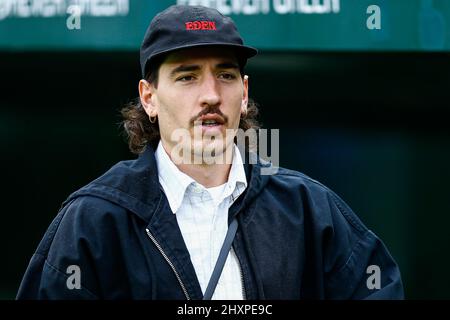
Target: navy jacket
(296, 240)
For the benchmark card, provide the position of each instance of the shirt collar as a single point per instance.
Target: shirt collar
(175, 182)
(237, 181)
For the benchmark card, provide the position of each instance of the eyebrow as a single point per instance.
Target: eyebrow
(196, 67)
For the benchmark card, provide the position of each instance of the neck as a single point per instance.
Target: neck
(208, 175)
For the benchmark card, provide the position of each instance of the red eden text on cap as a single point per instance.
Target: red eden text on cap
(200, 25)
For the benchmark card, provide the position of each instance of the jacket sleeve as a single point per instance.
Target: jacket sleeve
(358, 264)
(62, 266)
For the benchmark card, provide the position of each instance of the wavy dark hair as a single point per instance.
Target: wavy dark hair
(139, 131)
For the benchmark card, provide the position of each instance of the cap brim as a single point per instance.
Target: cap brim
(246, 50)
(242, 50)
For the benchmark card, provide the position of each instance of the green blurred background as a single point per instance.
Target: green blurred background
(367, 114)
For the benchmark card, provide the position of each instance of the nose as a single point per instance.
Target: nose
(210, 92)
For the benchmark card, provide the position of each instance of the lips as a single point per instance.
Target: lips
(211, 120)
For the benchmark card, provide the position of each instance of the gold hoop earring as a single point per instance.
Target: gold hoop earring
(153, 119)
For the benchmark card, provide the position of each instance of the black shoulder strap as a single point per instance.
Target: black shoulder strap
(221, 260)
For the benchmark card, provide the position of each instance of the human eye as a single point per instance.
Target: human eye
(185, 78)
(227, 76)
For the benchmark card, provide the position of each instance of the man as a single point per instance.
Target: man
(158, 227)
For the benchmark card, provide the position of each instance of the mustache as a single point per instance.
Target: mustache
(209, 110)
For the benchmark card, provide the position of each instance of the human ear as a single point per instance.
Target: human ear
(244, 101)
(148, 98)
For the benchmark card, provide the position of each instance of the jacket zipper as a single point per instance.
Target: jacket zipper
(169, 262)
(242, 281)
(241, 274)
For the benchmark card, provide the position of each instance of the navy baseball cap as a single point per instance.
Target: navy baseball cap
(184, 26)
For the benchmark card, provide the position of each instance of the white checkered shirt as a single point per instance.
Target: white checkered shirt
(202, 214)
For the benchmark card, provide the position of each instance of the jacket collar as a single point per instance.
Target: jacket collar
(134, 184)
